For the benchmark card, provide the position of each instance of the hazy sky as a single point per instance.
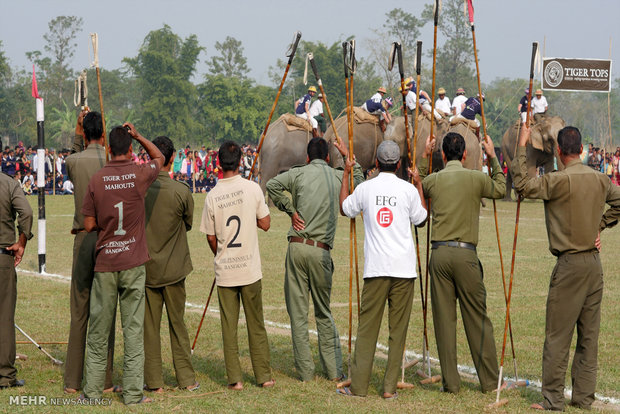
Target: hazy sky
(504, 29)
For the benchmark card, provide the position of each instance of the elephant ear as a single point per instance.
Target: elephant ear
(537, 137)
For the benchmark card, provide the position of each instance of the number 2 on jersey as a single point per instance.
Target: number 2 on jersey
(119, 231)
(238, 220)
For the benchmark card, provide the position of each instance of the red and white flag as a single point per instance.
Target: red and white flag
(35, 90)
(470, 11)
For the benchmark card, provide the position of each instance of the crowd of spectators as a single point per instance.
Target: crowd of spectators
(603, 161)
(200, 169)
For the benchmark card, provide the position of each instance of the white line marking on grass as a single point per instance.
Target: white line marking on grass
(536, 384)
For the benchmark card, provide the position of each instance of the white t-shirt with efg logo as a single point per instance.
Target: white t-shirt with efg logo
(389, 206)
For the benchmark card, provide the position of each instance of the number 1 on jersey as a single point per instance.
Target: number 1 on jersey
(119, 231)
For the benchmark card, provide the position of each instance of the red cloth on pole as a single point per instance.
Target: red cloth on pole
(470, 11)
(35, 90)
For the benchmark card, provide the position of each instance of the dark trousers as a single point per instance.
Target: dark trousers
(230, 299)
(8, 298)
(398, 293)
(173, 296)
(322, 123)
(81, 282)
(575, 295)
(456, 273)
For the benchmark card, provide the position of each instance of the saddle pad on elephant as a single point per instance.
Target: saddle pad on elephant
(362, 116)
(467, 122)
(295, 123)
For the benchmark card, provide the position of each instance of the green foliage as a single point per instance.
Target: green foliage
(233, 109)
(163, 69)
(231, 63)
(60, 47)
(455, 55)
(500, 106)
(62, 122)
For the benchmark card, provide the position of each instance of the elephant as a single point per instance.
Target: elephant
(283, 149)
(367, 136)
(424, 128)
(539, 152)
(473, 160)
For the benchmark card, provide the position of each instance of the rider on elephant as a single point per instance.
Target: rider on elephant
(316, 112)
(523, 105)
(470, 108)
(442, 104)
(376, 106)
(424, 98)
(302, 109)
(539, 105)
(459, 100)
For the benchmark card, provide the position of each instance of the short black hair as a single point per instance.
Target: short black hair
(569, 140)
(230, 156)
(453, 146)
(120, 140)
(93, 126)
(387, 167)
(317, 149)
(165, 145)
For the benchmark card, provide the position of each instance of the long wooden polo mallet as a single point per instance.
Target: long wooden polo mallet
(203, 316)
(352, 62)
(430, 170)
(94, 38)
(397, 54)
(320, 83)
(499, 402)
(292, 49)
(470, 12)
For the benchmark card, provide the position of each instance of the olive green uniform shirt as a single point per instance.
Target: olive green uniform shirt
(574, 203)
(81, 166)
(315, 191)
(455, 194)
(169, 207)
(13, 204)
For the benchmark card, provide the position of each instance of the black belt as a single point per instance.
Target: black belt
(7, 252)
(295, 239)
(462, 245)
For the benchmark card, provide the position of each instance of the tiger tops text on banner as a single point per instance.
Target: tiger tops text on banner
(593, 75)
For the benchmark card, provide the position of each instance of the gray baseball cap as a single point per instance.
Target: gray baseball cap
(388, 152)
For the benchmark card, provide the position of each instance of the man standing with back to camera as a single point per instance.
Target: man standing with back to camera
(456, 271)
(114, 205)
(169, 208)
(313, 208)
(232, 212)
(82, 164)
(575, 215)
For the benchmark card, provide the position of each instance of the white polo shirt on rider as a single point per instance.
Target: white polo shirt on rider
(389, 206)
(539, 105)
(458, 102)
(316, 108)
(443, 105)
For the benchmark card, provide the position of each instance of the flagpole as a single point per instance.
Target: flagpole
(40, 171)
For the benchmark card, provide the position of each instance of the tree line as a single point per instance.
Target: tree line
(156, 90)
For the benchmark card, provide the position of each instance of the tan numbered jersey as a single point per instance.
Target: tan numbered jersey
(230, 213)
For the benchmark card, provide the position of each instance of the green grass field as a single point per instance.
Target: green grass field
(43, 312)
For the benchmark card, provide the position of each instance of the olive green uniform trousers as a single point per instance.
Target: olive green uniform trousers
(309, 270)
(575, 295)
(8, 299)
(81, 283)
(398, 293)
(128, 286)
(173, 296)
(252, 298)
(456, 273)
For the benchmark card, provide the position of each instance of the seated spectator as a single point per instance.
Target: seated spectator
(67, 187)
